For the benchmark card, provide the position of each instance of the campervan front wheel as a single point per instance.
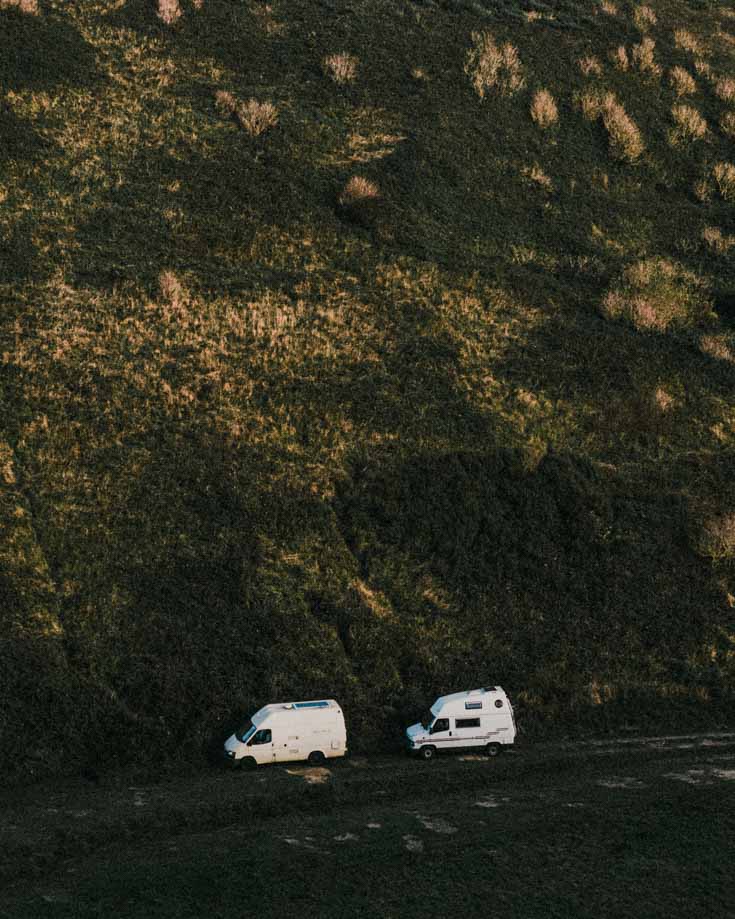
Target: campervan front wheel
(427, 752)
(316, 758)
(493, 749)
(248, 762)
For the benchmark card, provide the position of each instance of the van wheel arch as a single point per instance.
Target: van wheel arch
(248, 762)
(316, 758)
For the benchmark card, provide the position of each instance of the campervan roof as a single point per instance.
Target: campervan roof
(473, 697)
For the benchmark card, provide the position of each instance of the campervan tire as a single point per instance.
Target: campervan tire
(248, 762)
(493, 749)
(427, 752)
(316, 758)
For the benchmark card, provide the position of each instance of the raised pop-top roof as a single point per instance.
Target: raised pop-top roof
(471, 699)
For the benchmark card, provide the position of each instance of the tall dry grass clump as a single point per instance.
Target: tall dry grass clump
(644, 59)
(682, 82)
(644, 17)
(341, 67)
(718, 347)
(24, 6)
(358, 200)
(492, 67)
(716, 538)
(257, 117)
(169, 11)
(689, 123)
(716, 241)
(543, 109)
(590, 66)
(724, 176)
(608, 7)
(619, 57)
(225, 103)
(727, 125)
(626, 143)
(685, 41)
(725, 89)
(657, 294)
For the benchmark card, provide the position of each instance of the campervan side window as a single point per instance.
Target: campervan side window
(441, 724)
(470, 705)
(262, 736)
(468, 722)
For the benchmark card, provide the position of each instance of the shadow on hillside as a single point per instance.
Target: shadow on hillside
(18, 139)
(41, 52)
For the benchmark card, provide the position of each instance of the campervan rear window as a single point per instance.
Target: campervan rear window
(468, 722)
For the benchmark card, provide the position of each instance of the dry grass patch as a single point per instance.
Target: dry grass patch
(169, 11)
(682, 82)
(717, 537)
(727, 125)
(716, 241)
(657, 294)
(590, 65)
(359, 199)
(724, 176)
(644, 17)
(643, 58)
(619, 57)
(492, 67)
(626, 143)
(703, 68)
(341, 67)
(686, 41)
(225, 103)
(24, 6)
(725, 89)
(543, 109)
(690, 125)
(537, 176)
(257, 117)
(608, 7)
(718, 347)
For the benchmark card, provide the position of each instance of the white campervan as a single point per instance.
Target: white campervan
(465, 720)
(288, 731)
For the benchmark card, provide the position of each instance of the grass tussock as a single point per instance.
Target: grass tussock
(687, 41)
(717, 537)
(536, 175)
(590, 66)
(620, 59)
(716, 241)
(718, 347)
(358, 200)
(169, 11)
(725, 89)
(341, 67)
(253, 116)
(682, 82)
(644, 60)
(644, 17)
(656, 295)
(724, 176)
(24, 6)
(624, 137)
(544, 110)
(493, 67)
(690, 125)
(727, 125)
(608, 7)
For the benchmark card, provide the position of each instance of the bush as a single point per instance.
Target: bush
(685, 41)
(689, 124)
(727, 124)
(644, 17)
(257, 117)
(169, 11)
(725, 89)
(643, 58)
(716, 539)
(724, 176)
(543, 109)
(624, 137)
(25, 6)
(341, 67)
(358, 200)
(656, 294)
(493, 67)
(619, 57)
(682, 82)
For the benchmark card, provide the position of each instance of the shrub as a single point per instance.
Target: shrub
(257, 117)
(724, 176)
(358, 200)
(491, 67)
(718, 347)
(543, 109)
(590, 65)
(727, 124)
(608, 7)
(725, 89)
(619, 57)
(341, 67)
(25, 6)
(685, 41)
(625, 139)
(655, 294)
(225, 103)
(703, 68)
(682, 81)
(716, 242)
(689, 124)
(169, 11)
(644, 17)
(717, 537)
(643, 58)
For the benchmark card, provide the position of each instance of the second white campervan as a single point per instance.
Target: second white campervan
(289, 731)
(479, 718)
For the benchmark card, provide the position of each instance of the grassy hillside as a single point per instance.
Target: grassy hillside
(369, 350)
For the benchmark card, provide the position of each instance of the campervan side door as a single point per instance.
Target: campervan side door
(261, 746)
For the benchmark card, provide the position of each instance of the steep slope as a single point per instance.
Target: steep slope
(366, 349)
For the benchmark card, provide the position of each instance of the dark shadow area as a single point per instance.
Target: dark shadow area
(40, 52)
(17, 252)
(18, 138)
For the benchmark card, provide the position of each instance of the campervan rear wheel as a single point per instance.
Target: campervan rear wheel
(493, 749)
(316, 758)
(427, 752)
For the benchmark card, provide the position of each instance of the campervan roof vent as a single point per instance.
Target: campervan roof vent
(490, 689)
(311, 704)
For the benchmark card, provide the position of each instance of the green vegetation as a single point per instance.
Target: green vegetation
(310, 380)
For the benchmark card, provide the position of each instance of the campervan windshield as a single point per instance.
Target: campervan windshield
(245, 732)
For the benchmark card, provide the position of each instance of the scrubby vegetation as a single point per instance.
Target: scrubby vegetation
(367, 386)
